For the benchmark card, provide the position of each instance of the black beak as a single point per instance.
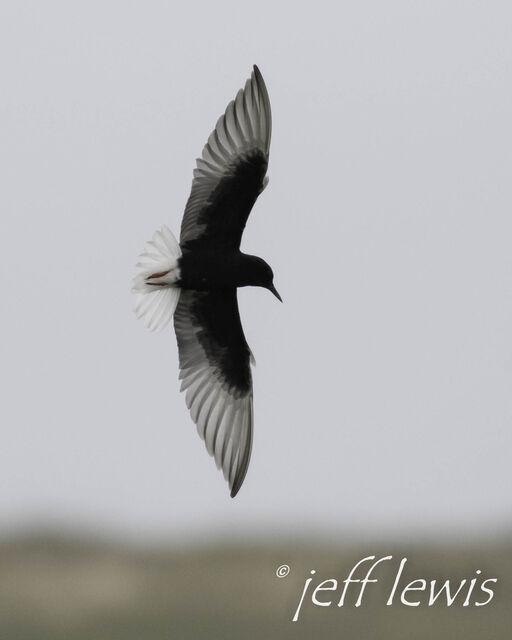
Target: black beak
(274, 291)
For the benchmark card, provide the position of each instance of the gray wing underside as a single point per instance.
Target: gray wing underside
(222, 413)
(245, 127)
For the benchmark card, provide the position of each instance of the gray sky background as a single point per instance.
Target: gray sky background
(383, 384)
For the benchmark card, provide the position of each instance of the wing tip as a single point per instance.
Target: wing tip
(239, 479)
(244, 464)
(238, 482)
(258, 76)
(262, 87)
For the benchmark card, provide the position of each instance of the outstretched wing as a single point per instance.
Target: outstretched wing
(216, 374)
(231, 172)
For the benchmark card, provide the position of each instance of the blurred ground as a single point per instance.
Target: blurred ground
(68, 588)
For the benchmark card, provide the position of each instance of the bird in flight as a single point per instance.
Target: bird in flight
(196, 279)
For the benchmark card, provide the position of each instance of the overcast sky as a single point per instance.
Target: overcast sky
(383, 383)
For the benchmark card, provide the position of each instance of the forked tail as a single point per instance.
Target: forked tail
(155, 280)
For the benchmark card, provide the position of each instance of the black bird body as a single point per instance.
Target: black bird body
(213, 271)
(197, 279)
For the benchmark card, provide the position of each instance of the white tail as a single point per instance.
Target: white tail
(154, 283)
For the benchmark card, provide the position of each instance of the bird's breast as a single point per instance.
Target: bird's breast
(206, 272)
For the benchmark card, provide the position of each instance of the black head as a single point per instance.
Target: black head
(262, 276)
